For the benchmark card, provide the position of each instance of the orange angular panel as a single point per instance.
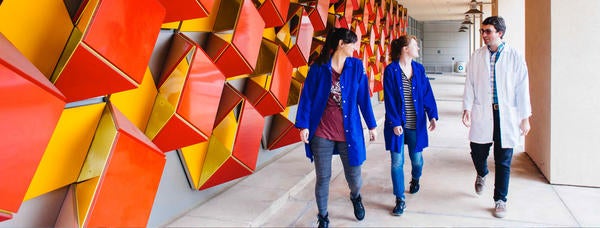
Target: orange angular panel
(239, 29)
(123, 173)
(274, 12)
(188, 98)
(269, 92)
(110, 49)
(282, 133)
(31, 108)
(186, 9)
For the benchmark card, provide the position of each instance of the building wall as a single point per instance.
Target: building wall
(443, 45)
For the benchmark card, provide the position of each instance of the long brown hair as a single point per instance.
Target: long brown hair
(399, 44)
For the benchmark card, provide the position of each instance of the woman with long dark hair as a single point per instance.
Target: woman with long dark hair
(335, 91)
(408, 99)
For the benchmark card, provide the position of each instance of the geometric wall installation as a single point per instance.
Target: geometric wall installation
(31, 107)
(120, 176)
(232, 150)
(188, 99)
(235, 43)
(274, 12)
(136, 104)
(186, 9)
(62, 161)
(110, 48)
(39, 29)
(296, 35)
(269, 90)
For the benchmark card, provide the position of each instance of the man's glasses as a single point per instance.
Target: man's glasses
(486, 31)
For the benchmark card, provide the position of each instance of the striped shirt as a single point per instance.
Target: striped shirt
(409, 104)
(493, 59)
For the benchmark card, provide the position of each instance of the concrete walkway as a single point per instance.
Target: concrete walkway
(281, 194)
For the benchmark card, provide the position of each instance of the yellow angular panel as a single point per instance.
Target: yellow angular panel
(38, 28)
(84, 194)
(99, 151)
(170, 25)
(168, 98)
(197, 25)
(215, 159)
(136, 104)
(226, 130)
(67, 149)
(193, 160)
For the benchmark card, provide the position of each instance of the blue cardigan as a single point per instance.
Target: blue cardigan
(355, 92)
(395, 112)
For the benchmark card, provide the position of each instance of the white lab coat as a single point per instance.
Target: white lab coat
(512, 83)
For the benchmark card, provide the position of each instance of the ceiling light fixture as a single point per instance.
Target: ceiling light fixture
(467, 20)
(473, 8)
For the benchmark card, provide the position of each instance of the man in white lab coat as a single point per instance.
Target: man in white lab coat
(496, 107)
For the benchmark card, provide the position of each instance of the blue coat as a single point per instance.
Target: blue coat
(395, 112)
(355, 92)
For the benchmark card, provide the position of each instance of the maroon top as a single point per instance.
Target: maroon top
(332, 124)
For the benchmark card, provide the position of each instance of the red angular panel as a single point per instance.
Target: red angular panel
(129, 179)
(110, 49)
(31, 107)
(274, 12)
(318, 14)
(299, 52)
(192, 86)
(269, 93)
(282, 133)
(239, 37)
(186, 9)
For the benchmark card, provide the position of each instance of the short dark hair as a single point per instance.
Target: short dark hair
(497, 22)
(398, 44)
(332, 41)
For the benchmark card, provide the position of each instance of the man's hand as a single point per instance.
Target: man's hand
(372, 134)
(432, 124)
(398, 130)
(524, 126)
(304, 135)
(466, 118)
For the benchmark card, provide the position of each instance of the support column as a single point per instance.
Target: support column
(562, 63)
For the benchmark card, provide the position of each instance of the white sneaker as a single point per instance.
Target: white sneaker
(500, 209)
(479, 184)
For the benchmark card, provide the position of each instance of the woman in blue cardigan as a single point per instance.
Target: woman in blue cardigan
(408, 98)
(329, 120)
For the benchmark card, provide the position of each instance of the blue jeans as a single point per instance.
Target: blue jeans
(502, 160)
(323, 152)
(416, 159)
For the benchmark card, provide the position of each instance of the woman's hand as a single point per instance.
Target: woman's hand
(432, 124)
(398, 130)
(304, 135)
(372, 134)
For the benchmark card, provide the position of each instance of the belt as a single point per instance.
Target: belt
(495, 107)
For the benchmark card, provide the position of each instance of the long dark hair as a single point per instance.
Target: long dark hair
(398, 44)
(331, 43)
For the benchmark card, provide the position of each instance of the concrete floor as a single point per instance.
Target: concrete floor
(281, 193)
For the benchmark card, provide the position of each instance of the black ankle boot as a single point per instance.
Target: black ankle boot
(323, 221)
(414, 186)
(359, 209)
(399, 208)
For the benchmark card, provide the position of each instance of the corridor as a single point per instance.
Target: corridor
(281, 193)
